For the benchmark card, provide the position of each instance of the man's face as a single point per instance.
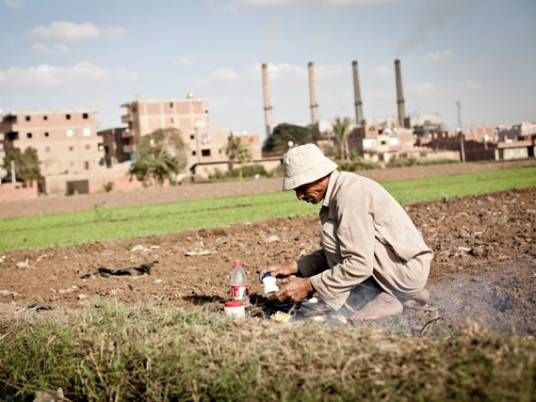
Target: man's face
(312, 192)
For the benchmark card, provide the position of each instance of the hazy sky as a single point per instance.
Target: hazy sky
(63, 54)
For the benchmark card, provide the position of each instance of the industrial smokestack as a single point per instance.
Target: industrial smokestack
(312, 93)
(399, 94)
(267, 100)
(358, 103)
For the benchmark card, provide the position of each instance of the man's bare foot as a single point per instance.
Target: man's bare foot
(382, 306)
(417, 300)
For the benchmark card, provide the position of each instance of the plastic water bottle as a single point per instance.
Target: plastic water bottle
(239, 282)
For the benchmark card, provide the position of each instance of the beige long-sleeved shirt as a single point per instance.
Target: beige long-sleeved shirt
(356, 214)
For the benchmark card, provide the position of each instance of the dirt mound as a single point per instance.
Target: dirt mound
(484, 266)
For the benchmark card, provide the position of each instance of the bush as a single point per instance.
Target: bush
(248, 171)
(406, 162)
(357, 165)
(217, 174)
(402, 162)
(108, 186)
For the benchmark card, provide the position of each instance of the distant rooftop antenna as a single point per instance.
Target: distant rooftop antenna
(189, 95)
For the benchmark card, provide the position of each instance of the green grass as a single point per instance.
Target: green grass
(438, 187)
(158, 353)
(122, 223)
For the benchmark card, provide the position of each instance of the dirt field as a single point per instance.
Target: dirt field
(484, 267)
(197, 191)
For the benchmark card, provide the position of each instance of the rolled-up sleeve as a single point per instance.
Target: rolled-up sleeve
(355, 234)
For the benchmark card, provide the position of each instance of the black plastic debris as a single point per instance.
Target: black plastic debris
(39, 307)
(129, 271)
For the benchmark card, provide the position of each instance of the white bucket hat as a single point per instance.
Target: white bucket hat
(305, 164)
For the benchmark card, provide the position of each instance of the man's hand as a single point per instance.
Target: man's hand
(281, 270)
(295, 289)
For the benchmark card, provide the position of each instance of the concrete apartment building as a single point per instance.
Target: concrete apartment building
(478, 143)
(516, 142)
(382, 141)
(206, 145)
(117, 143)
(66, 142)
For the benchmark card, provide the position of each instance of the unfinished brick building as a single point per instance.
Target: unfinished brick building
(66, 142)
(206, 145)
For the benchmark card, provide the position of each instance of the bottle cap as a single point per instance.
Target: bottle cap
(237, 263)
(266, 275)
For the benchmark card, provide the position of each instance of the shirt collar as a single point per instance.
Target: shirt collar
(332, 179)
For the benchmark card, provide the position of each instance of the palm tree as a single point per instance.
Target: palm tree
(340, 129)
(233, 149)
(161, 156)
(237, 151)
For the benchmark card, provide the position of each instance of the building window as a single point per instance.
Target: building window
(69, 132)
(193, 153)
(86, 132)
(68, 116)
(47, 149)
(85, 116)
(47, 134)
(171, 104)
(45, 117)
(88, 146)
(28, 118)
(219, 151)
(29, 135)
(192, 136)
(71, 148)
(86, 165)
(205, 152)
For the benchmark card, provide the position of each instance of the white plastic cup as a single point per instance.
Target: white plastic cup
(269, 284)
(235, 309)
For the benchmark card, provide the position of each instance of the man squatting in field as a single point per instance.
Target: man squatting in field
(372, 257)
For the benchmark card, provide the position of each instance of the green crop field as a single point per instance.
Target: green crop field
(122, 223)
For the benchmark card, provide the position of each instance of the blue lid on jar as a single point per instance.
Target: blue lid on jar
(266, 275)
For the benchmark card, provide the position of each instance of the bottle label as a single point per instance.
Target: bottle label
(239, 292)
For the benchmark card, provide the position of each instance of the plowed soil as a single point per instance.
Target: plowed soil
(484, 267)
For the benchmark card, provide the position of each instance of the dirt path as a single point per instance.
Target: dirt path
(484, 266)
(196, 191)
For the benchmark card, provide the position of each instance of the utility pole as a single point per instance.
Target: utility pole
(460, 130)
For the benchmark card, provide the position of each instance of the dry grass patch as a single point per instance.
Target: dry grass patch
(156, 353)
